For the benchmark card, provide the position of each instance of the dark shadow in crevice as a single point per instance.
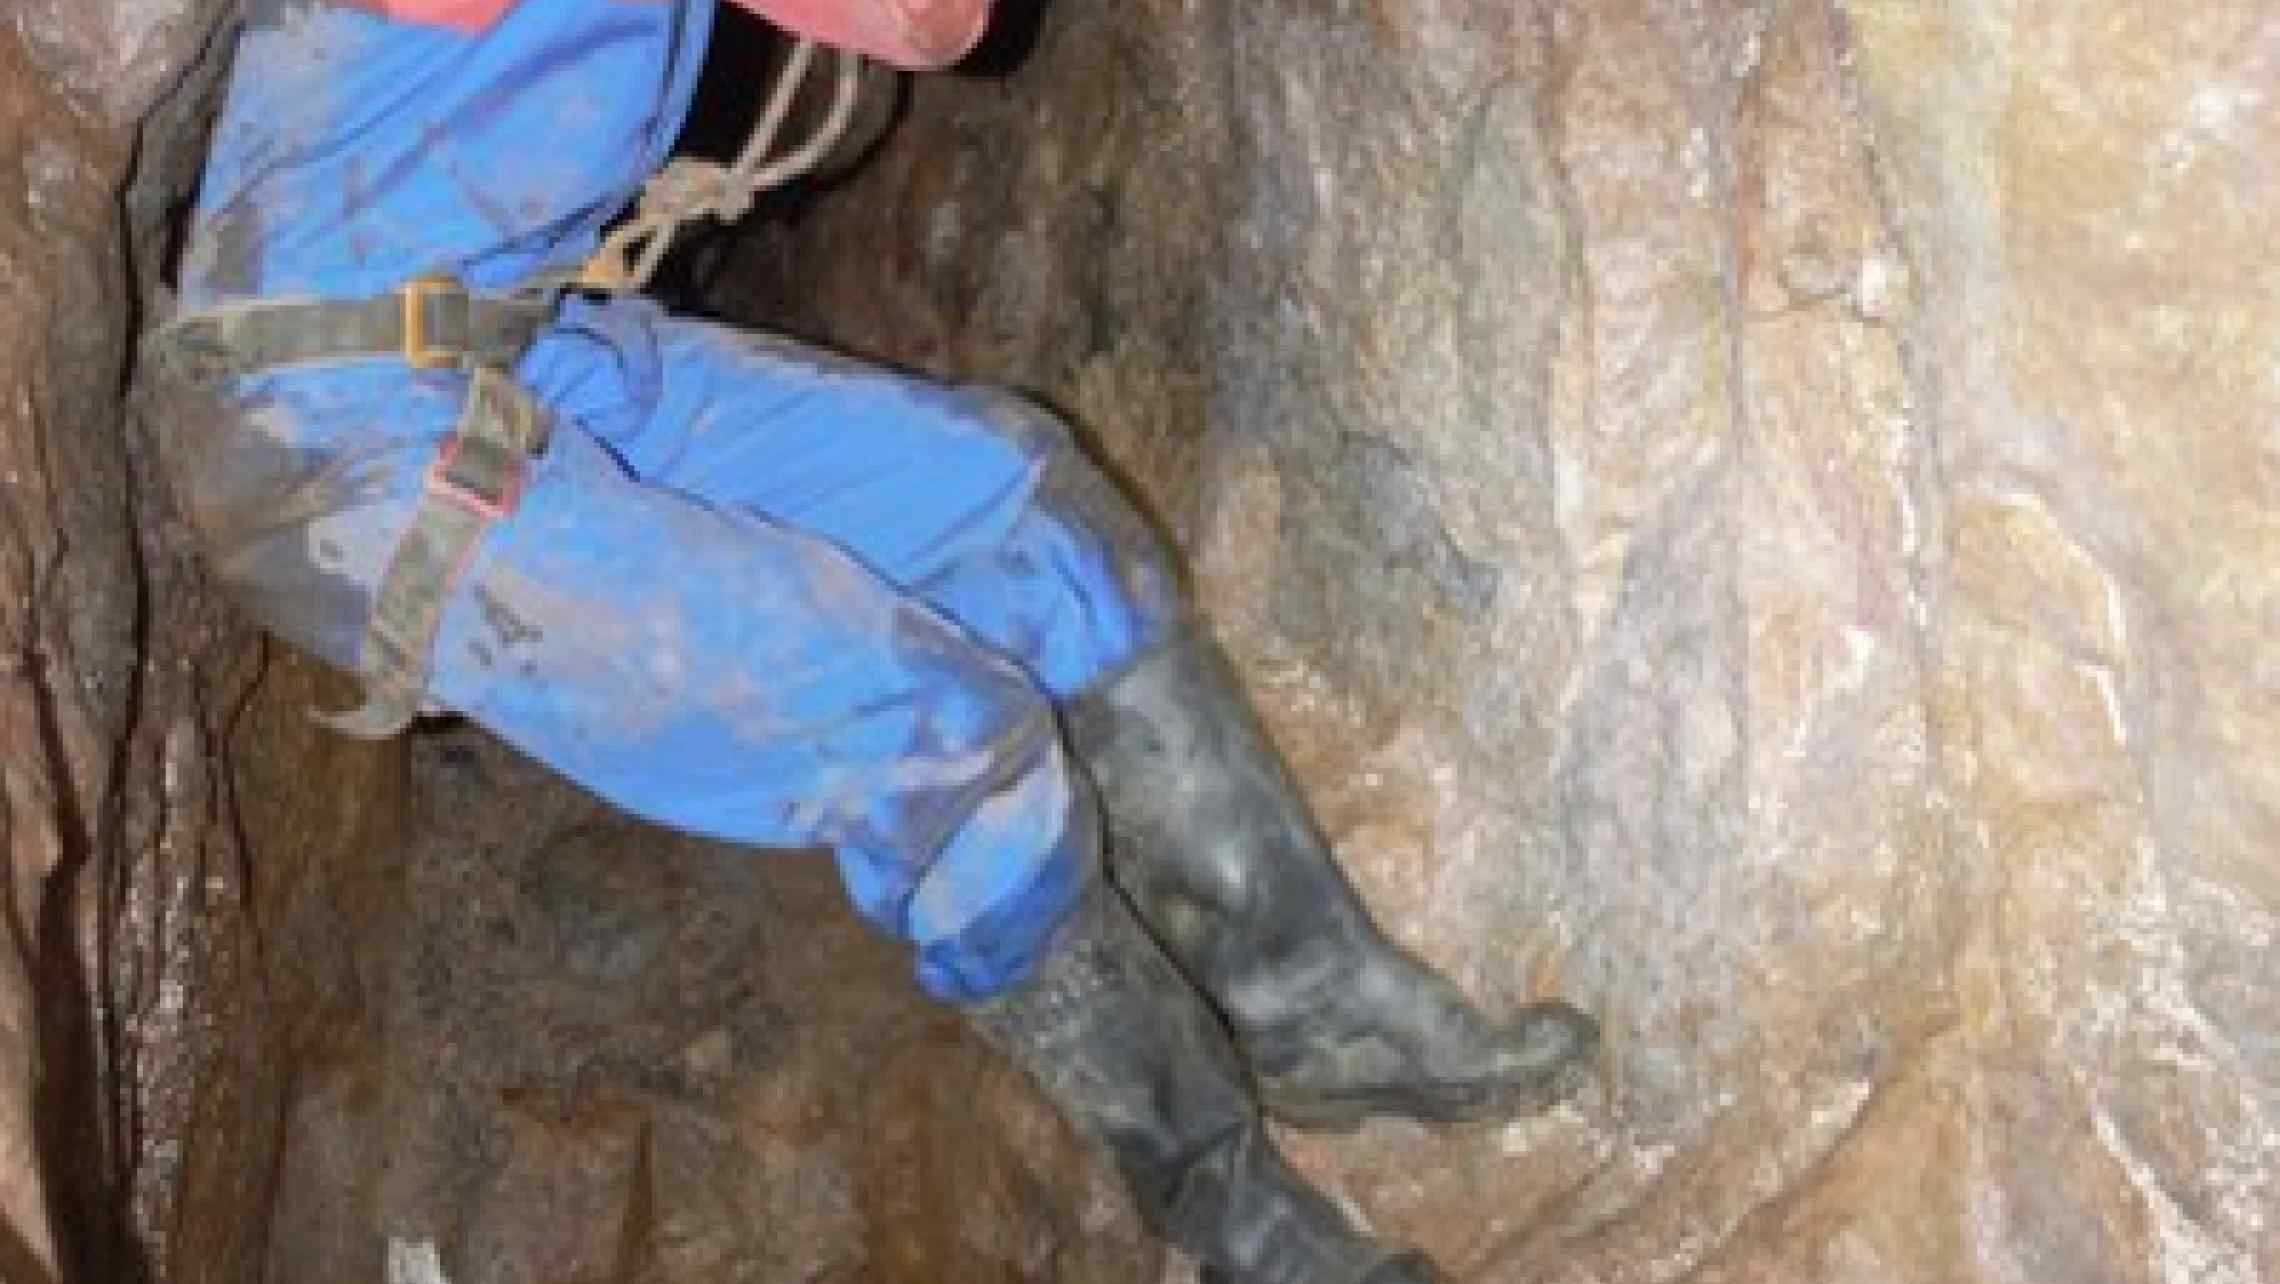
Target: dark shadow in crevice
(80, 1116)
(1012, 37)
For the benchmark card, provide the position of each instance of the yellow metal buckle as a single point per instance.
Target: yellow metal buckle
(418, 353)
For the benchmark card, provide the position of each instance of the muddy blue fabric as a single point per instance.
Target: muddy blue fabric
(754, 591)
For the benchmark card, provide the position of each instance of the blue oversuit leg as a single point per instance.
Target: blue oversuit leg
(781, 598)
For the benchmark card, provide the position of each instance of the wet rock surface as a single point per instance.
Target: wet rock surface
(109, 840)
(1759, 515)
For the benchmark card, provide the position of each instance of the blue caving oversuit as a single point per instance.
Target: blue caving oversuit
(751, 591)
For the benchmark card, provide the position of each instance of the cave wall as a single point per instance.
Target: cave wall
(185, 849)
(1759, 515)
(83, 699)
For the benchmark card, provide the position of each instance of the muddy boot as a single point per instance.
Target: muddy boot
(1131, 1054)
(1221, 856)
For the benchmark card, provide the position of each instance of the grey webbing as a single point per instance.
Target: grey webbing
(431, 323)
(476, 479)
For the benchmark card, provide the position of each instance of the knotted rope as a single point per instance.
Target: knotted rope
(688, 189)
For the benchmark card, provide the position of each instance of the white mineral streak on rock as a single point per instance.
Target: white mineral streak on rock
(414, 1261)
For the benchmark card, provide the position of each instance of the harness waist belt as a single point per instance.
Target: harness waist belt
(431, 323)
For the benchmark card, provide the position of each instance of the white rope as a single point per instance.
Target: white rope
(686, 190)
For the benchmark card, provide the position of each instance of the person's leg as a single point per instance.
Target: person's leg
(973, 503)
(1127, 1049)
(1214, 842)
(693, 664)
(967, 498)
(719, 673)
(727, 676)
(980, 503)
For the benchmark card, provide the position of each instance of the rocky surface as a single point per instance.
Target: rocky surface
(87, 706)
(1761, 515)
(563, 1048)
(1758, 515)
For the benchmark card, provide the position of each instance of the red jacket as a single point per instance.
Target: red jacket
(917, 34)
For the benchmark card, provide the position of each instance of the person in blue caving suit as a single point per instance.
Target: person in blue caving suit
(754, 591)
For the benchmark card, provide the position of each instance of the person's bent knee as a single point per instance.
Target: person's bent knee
(1109, 565)
(988, 909)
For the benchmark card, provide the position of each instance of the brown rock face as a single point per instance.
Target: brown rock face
(1765, 515)
(53, 732)
(562, 1048)
(88, 707)
(1761, 516)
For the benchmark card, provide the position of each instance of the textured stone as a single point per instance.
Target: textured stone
(126, 931)
(70, 611)
(1762, 515)
(565, 1047)
(117, 59)
(1759, 515)
(55, 716)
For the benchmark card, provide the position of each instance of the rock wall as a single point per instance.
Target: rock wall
(1763, 515)
(1759, 515)
(108, 848)
(563, 1048)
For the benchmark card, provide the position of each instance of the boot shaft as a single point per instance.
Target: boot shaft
(1132, 1056)
(1208, 831)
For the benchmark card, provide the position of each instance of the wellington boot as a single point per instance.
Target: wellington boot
(1219, 853)
(1130, 1053)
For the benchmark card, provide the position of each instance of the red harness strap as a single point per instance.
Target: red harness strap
(459, 15)
(915, 34)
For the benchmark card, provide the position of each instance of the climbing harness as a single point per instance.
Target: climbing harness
(476, 479)
(685, 190)
(436, 323)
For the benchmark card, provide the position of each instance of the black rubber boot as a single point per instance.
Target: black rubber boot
(1127, 1049)
(1221, 856)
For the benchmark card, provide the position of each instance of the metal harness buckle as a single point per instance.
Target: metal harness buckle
(420, 350)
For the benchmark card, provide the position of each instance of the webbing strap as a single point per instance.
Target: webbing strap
(431, 323)
(476, 479)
